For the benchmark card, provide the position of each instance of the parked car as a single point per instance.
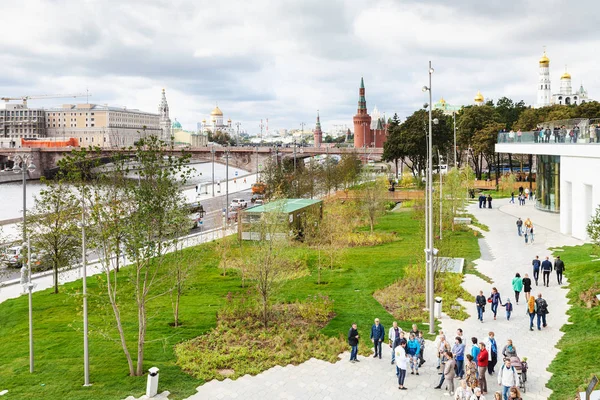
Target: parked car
(13, 256)
(237, 204)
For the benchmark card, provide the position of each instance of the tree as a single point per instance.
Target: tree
(509, 111)
(454, 193)
(593, 228)
(372, 199)
(474, 119)
(315, 235)
(392, 146)
(221, 138)
(53, 229)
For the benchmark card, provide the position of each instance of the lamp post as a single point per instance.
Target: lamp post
(429, 250)
(440, 174)
(212, 151)
(455, 148)
(25, 168)
(86, 353)
(227, 185)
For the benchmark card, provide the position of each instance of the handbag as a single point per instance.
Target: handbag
(489, 299)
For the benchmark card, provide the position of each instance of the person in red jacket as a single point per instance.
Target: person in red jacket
(482, 364)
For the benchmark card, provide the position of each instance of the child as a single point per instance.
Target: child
(509, 308)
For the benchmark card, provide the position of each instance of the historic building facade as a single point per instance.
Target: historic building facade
(368, 132)
(565, 95)
(318, 133)
(215, 123)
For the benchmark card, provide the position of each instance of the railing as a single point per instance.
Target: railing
(577, 130)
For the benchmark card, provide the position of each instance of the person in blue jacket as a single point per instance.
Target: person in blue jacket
(377, 336)
(495, 300)
(413, 350)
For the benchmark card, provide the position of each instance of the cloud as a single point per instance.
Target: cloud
(285, 59)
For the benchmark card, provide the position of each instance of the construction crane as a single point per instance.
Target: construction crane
(46, 96)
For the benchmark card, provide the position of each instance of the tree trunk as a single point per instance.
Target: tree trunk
(141, 338)
(510, 162)
(530, 169)
(55, 277)
(117, 314)
(497, 168)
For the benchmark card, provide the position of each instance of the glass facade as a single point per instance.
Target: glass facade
(548, 183)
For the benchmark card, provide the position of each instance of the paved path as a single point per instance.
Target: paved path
(375, 379)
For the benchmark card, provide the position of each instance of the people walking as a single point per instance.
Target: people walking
(401, 362)
(412, 350)
(526, 287)
(531, 311)
(449, 373)
(489, 200)
(517, 284)
(477, 395)
(507, 378)
(536, 269)
(471, 371)
(492, 349)
(559, 267)
(463, 392)
(509, 349)
(483, 361)
(377, 336)
(393, 335)
(520, 224)
(541, 308)
(353, 342)
(459, 356)
(512, 197)
(442, 348)
(509, 308)
(480, 302)
(514, 394)
(495, 299)
(421, 341)
(546, 270)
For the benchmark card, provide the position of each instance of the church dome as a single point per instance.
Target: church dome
(479, 97)
(544, 61)
(217, 111)
(176, 124)
(442, 101)
(566, 75)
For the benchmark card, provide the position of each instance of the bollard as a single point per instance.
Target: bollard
(438, 307)
(152, 386)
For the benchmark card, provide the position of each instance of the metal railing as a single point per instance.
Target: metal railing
(573, 131)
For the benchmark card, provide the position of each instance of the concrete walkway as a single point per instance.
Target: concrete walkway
(375, 379)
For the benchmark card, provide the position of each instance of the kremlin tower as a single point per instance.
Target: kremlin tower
(364, 134)
(318, 134)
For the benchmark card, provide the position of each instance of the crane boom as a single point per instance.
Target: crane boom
(45, 96)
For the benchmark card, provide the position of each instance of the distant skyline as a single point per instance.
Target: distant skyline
(284, 59)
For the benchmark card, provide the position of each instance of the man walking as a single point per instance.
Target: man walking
(507, 378)
(480, 302)
(559, 267)
(541, 307)
(377, 336)
(492, 349)
(546, 270)
(520, 224)
(536, 269)
(353, 342)
(393, 336)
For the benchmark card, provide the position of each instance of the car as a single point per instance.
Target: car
(238, 203)
(13, 256)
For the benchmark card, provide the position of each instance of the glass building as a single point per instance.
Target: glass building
(548, 183)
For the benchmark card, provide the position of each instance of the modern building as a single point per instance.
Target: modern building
(17, 122)
(368, 132)
(565, 95)
(566, 179)
(215, 123)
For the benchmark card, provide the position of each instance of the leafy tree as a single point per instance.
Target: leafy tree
(475, 119)
(590, 110)
(593, 228)
(372, 199)
(509, 111)
(221, 138)
(392, 148)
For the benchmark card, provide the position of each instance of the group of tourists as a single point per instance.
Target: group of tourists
(546, 268)
(525, 229)
(483, 200)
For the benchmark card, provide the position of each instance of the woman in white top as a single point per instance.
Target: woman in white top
(477, 395)
(401, 362)
(463, 392)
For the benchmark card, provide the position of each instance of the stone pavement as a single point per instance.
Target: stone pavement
(375, 379)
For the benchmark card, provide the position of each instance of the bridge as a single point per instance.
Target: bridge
(247, 158)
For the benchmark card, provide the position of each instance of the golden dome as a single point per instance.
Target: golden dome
(442, 101)
(479, 97)
(544, 61)
(566, 75)
(217, 111)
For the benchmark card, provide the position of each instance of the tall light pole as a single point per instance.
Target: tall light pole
(227, 185)
(25, 168)
(455, 148)
(86, 353)
(440, 174)
(212, 151)
(429, 250)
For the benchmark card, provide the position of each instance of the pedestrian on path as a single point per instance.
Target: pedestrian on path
(509, 349)
(492, 349)
(377, 336)
(353, 342)
(401, 362)
(546, 270)
(559, 267)
(463, 392)
(489, 200)
(471, 372)
(526, 287)
(495, 299)
(520, 223)
(512, 197)
(517, 284)
(459, 356)
(541, 309)
(393, 335)
(443, 347)
(497, 396)
(480, 302)
(531, 311)
(507, 378)
(483, 361)
(449, 373)
(509, 308)
(477, 395)
(515, 394)
(536, 269)
(413, 349)
(421, 341)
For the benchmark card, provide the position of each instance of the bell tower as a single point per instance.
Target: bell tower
(164, 120)
(544, 92)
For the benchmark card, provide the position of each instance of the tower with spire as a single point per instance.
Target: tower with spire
(544, 92)
(318, 134)
(362, 120)
(164, 120)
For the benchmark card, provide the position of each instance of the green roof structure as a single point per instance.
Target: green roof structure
(283, 205)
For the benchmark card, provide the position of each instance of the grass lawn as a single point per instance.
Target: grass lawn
(57, 318)
(579, 357)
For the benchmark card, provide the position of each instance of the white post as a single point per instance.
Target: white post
(430, 227)
(86, 353)
(30, 289)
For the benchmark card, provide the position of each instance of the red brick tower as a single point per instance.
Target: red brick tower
(362, 120)
(318, 134)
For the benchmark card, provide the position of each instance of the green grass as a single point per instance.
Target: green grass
(574, 365)
(57, 318)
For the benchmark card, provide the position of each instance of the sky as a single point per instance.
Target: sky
(286, 59)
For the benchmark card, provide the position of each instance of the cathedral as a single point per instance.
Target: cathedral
(368, 132)
(164, 120)
(216, 123)
(565, 95)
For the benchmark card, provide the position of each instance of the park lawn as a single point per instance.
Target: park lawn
(57, 318)
(577, 360)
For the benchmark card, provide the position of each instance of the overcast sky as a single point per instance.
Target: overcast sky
(284, 59)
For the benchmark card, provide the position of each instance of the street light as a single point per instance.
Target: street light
(212, 151)
(429, 213)
(27, 167)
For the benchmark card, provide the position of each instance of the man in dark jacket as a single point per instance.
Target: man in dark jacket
(353, 342)
(541, 309)
(480, 302)
(546, 269)
(559, 267)
(520, 222)
(536, 269)
(377, 336)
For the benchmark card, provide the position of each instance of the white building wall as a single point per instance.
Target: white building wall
(580, 194)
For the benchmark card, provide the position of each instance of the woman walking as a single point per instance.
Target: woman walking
(448, 374)
(527, 287)
(514, 393)
(459, 356)
(413, 349)
(495, 300)
(517, 284)
(471, 372)
(509, 350)
(401, 361)
(531, 311)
